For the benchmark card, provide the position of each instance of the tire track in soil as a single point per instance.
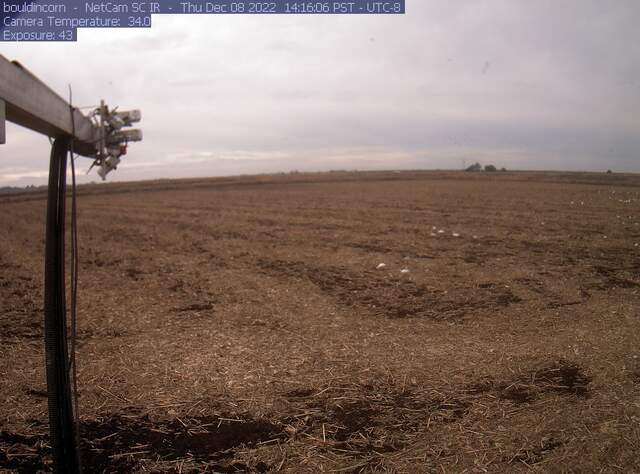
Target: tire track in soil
(560, 377)
(365, 419)
(370, 420)
(120, 442)
(361, 421)
(388, 297)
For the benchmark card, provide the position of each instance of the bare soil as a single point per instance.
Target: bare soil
(243, 325)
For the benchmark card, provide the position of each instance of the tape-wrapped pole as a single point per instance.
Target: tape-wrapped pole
(61, 418)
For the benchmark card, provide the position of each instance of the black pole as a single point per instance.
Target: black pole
(61, 417)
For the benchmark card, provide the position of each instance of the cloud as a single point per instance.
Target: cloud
(16, 177)
(533, 84)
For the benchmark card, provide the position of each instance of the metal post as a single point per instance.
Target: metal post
(61, 416)
(2, 123)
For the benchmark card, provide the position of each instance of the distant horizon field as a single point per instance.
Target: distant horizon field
(374, 174)
(113, 178)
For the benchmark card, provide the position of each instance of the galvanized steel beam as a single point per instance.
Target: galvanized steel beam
(32, 104)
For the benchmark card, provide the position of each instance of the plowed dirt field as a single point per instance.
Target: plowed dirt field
(247, 324)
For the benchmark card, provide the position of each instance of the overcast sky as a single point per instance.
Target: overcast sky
(527, 85)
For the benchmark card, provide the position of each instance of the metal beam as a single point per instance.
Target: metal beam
(32, 104)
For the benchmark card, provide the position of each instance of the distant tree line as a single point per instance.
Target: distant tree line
(488, 168)
(14, 189)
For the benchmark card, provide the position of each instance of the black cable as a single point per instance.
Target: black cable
(61, 418)
(61, 360)
(74, 274)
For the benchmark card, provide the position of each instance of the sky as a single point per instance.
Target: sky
(525, 85)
